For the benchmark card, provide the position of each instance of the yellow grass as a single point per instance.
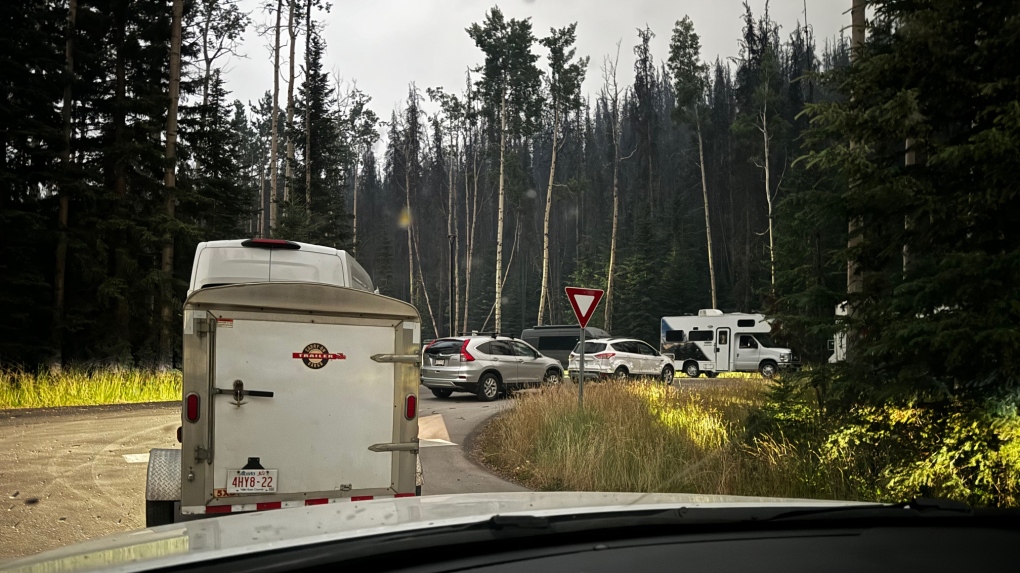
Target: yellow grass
(87, 386)
(645, 437)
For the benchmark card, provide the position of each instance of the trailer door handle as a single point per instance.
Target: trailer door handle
(239, 393)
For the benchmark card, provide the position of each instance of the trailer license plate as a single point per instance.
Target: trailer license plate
(251, 481)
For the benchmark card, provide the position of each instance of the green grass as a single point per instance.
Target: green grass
(86, 387)
(747, 437)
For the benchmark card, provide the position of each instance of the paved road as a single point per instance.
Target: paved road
(72, 474)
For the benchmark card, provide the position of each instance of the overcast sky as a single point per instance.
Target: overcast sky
(385, 44)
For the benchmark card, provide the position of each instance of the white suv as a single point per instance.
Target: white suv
(620, 358)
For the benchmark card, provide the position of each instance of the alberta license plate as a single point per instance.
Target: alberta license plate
(251, 481)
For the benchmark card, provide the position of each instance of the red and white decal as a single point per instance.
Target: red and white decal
(240, 508)
(316, 356)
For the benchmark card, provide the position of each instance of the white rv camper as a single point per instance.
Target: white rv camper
(714, 342)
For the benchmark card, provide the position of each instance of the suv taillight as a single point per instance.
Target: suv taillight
(605, 355)
(464, 354)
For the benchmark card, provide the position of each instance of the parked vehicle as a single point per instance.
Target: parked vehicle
(556, 341)
(236, 261)
(620, 358)
(485, 365)
(715, 341)
(294, 393)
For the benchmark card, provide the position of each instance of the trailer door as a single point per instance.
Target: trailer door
(723, 355)
(297, 406)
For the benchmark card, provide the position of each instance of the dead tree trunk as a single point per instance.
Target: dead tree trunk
(292, 31)
(275, 136)
(56, 329)
(708, 224)
(170, 181)
(308, 110)
(499, 223)
(544, 296)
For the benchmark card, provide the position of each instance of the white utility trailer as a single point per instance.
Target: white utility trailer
(295, 393)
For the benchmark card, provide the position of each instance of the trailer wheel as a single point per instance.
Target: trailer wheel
(488, 388)
(441, 392)
(158, 513)
(768, 369)
(691, 369)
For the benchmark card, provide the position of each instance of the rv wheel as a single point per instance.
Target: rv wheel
(691, 369)
(768, 369)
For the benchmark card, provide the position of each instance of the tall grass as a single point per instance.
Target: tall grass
(644, 437)
(79, 386)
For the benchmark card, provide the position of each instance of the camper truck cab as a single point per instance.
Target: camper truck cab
(714, 342)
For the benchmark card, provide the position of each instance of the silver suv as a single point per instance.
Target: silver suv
(620, 358)
(485, 365)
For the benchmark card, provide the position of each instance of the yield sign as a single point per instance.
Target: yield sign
(584, 301)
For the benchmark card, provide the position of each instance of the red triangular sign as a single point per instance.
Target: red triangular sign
(584, 301)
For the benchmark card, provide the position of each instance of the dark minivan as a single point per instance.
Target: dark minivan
(556, 341)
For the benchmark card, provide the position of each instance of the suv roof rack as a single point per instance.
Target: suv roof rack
(491, 334)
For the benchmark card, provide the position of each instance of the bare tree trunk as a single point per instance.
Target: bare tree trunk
(909, 159)
(768, 192)
(292, 31)
(451, 230)
(170, 180)
(545, 222)
(308, 110)
(708, 224)
(857, 36)
(410, 223)
(275, 145)
(56, 330)
(424, 290)
(354, 217)
(499, 228)
(471, 219)
(616, 220)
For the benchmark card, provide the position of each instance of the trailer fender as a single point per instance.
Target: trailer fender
(163, 480)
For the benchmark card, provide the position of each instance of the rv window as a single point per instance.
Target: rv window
(745, 323)
(700, 336)
(748, 342)
(675, 336)
(557, 342)
(724, 337)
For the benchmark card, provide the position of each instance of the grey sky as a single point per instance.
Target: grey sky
(385, 44)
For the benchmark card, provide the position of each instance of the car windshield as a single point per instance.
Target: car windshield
(258, 255)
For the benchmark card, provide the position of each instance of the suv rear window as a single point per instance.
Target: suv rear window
(590, 347)
(445, 346)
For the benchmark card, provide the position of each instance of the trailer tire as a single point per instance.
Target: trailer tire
(158, 513)
(441, 392)
(768, 369)
(691, 369)
(488, 387)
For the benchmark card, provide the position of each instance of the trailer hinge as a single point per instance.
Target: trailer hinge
(395, 447)
(203, 325)
(202, 454)
(397, 358)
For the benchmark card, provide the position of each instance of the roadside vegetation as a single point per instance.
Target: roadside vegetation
(80, 386)
(751, 437)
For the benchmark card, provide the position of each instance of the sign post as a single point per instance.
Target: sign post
(583, 301)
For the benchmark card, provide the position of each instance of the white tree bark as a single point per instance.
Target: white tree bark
(708, 224)
(292, 31)
(545, 222)
(499, 228)
(275, 145)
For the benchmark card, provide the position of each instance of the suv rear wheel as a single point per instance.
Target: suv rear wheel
(441, 392)
(488, 387)
(621, 373)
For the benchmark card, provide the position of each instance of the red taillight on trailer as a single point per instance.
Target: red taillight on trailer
(191, 410)
(410, 406)
(464, 354)
(605, 355)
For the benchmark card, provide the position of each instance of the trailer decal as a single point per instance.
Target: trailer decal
(316, 356)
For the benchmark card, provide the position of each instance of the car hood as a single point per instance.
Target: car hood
(233, 535)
